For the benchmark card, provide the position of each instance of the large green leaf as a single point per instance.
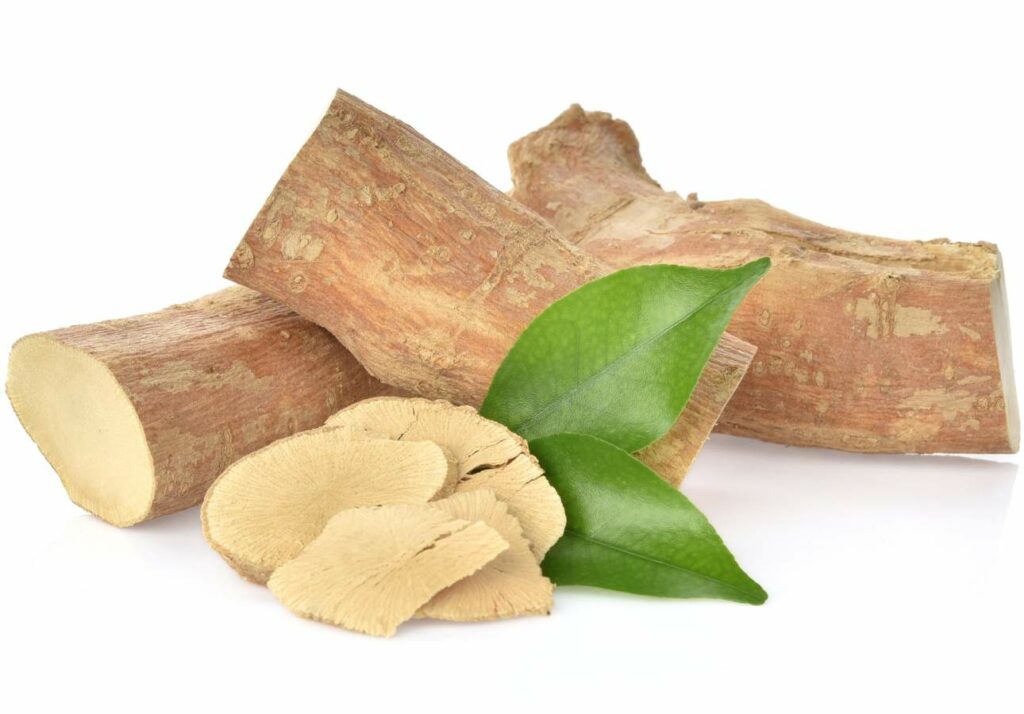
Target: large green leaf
(629, 530)
(619, 357)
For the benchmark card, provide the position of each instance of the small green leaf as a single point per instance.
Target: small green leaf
(628, 530)
(618, 357)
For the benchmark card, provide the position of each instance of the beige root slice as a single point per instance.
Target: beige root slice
(510, 585)
(485, 455)
(864, 343)
(426, 272)
(266, 507)
(371, 569)
(138, 416)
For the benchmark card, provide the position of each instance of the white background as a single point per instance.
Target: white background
(136, 145)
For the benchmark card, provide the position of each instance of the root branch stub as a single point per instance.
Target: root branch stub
(864, 343)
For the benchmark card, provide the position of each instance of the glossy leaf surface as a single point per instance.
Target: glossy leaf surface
(628, 530)
(618, 357)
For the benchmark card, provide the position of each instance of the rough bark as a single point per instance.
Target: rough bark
(423, 270)
(208, 381)
(864, 343)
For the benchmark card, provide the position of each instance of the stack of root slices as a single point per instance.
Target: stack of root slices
(396, 508)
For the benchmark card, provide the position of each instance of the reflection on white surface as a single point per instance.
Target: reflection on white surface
(878, 568)
(804, 522)
(808, 521)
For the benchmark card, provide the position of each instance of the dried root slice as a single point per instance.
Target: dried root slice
(471, 441)
(485, 454)
(372, 568)
(510, 585)
(139, 415)
(265, 508)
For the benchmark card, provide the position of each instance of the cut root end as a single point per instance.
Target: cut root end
(85, 425)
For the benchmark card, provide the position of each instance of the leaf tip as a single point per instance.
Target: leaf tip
(759, 267)
(757, 595)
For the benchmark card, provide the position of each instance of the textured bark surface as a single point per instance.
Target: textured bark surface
(422, 269)
(864, 343)
(217, 378)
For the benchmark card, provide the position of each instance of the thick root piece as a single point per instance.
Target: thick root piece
(137, 416)
(510, 585)
(422, 269)
(485, 455)
(864, 343)
(266, 507)
(373, 568)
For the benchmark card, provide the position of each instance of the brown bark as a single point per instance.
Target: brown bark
(864, 343)
(423, 270)
(208, 382)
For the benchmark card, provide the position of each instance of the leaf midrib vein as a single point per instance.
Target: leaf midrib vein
(565, 396)
(656, 561)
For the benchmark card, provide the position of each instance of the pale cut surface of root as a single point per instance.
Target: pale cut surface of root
(372, 568)
(486, 454)
(85, 425)
(265, 508)
(512, 584)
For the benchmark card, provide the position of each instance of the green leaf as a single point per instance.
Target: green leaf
(629, 530)
(618, 357)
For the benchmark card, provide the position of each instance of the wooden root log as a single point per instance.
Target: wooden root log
(139, 415)
(864, 344)
(426, 272)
